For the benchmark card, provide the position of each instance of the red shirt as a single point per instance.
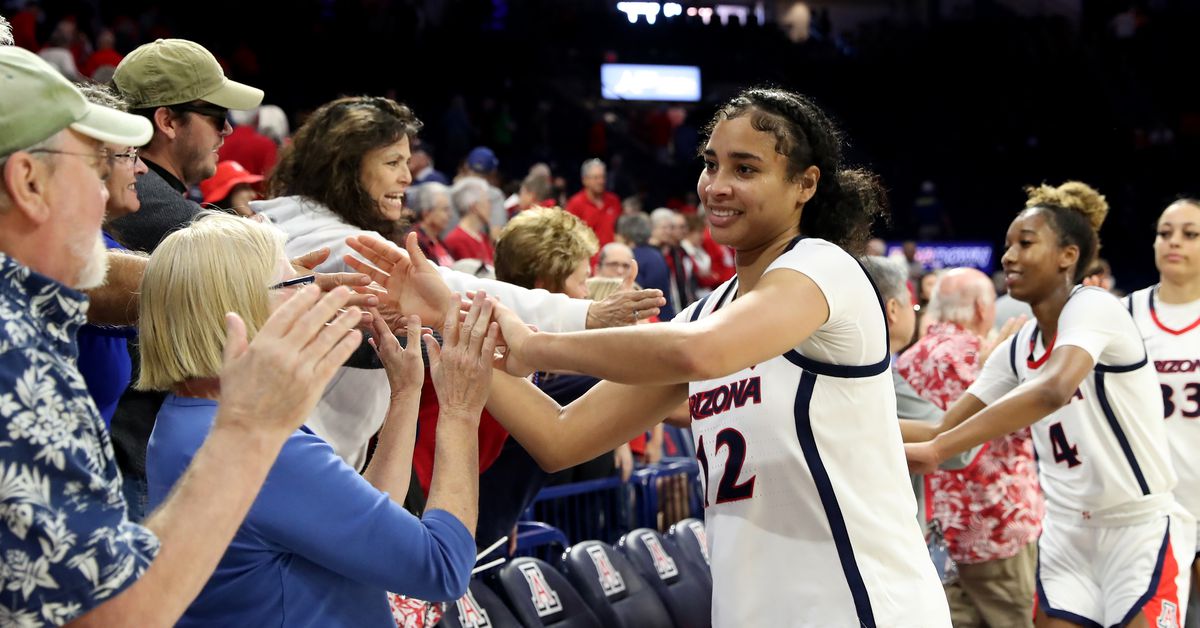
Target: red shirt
(491, 436)
(255, 151)
(602, 219)
(463, 245)
(994, 507)
(101, 58)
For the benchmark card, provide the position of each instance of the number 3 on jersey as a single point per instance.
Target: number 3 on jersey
(728, 489)
(1189, 407)
(1064, 451)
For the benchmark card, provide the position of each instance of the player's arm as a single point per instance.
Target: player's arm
(757, 326)
(605, 417)
(1023, 406)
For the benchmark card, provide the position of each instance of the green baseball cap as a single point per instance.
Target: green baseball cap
(175, 71)
(36, 102)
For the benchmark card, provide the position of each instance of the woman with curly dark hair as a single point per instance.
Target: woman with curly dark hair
(810, 516)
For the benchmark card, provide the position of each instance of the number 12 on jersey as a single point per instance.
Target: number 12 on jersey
(728, 489)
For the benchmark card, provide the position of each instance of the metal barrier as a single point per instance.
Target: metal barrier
(595, 509)
(668, 492)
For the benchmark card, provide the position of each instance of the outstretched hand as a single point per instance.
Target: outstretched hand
(922, 457)
(514, 333)
(275, 380)
(461, 368)
(411, 281)
(988, 344)
(404, 366)
(306, 264)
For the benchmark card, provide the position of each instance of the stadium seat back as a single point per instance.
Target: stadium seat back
(689, 538)
(479, 608)
(677, 581)
(613, 588)
(541, 596)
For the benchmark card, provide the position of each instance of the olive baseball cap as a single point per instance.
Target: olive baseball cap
(176, 71)
(36, 102)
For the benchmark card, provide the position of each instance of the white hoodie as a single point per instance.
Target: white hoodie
(355, 402)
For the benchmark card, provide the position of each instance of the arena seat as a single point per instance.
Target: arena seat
(688, 537)
(613, 588)
(480, 607)
(541, 596)
(686, 593)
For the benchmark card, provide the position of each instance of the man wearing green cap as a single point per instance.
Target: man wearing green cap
(179, 86)
(68, 551)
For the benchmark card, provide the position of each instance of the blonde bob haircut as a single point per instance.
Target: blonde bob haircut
(220, 263)
(543, 244)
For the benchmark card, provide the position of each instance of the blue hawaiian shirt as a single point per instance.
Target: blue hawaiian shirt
(66, 544)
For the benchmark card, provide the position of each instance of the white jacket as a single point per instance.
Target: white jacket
(355, 403)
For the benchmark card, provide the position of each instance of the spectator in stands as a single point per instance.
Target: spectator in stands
(667, 229)
(422, 166)
(245, 145)
(470, 239)
(634, 230)
(57, 51)
(594, 205)
(231, 188)
(104, 61)
(70, 552)
(990, 512)
(432, 208)
(481, 166)
(301, 551)
(616, 261)
(179, 86)
(534, 192)
(343, 177)
(273, 123)
(891, 278)
(103, 350)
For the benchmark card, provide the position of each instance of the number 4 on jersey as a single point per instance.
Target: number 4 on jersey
(1064, 451)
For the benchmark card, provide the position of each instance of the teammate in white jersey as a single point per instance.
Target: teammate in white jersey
(1168, 316)
(810, 517)
(1115, 544)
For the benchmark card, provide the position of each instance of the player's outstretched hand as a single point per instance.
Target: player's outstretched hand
(514, 333)
(461, 368)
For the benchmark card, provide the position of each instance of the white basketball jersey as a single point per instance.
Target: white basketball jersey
(810, 517)
(1172, 337)
(1103, 456)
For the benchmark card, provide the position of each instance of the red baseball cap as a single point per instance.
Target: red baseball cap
(229, 174)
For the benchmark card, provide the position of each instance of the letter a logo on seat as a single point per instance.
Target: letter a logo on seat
(470, 613)
(697, 529)
(610, 579)
(663, 563)
(545, 599)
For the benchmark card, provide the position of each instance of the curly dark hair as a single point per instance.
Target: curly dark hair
(847, 201)
(324, 161)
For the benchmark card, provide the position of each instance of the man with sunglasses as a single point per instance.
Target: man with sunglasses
(179, 86)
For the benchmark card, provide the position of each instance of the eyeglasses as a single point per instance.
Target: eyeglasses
(214, 113)
(100, 159)
(128, 157)
(295, 281)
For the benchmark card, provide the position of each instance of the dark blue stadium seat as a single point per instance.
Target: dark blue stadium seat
(688, 537)
(541, 596)
(685, 592)
(479, 608)
(613, 588)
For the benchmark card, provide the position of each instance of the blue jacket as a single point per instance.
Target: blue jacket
(321, 546)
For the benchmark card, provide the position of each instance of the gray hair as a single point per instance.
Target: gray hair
(890, 277)
(102, 95)
(606, 248)
(635, 228)
(424, 195)
(6, 35)
(661, 215)
(466, 193)
(589, 164)
(955, 295)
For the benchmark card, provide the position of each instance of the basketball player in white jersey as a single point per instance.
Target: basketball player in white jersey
(1115, 546)
(1168, 315)
(809, 514)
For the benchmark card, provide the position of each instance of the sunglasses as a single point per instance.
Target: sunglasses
(217, 114)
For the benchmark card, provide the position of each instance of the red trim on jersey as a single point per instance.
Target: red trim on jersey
(1036, 364)
(1175, 332)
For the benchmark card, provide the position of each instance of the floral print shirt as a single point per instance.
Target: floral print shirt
(994, 507)
(66, 544)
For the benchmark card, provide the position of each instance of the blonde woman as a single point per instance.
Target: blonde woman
(321, 542)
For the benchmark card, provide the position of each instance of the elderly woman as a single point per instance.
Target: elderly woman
(432, 208)
(322, 544)
(345, 176)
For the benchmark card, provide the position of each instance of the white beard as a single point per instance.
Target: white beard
(96, 269)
